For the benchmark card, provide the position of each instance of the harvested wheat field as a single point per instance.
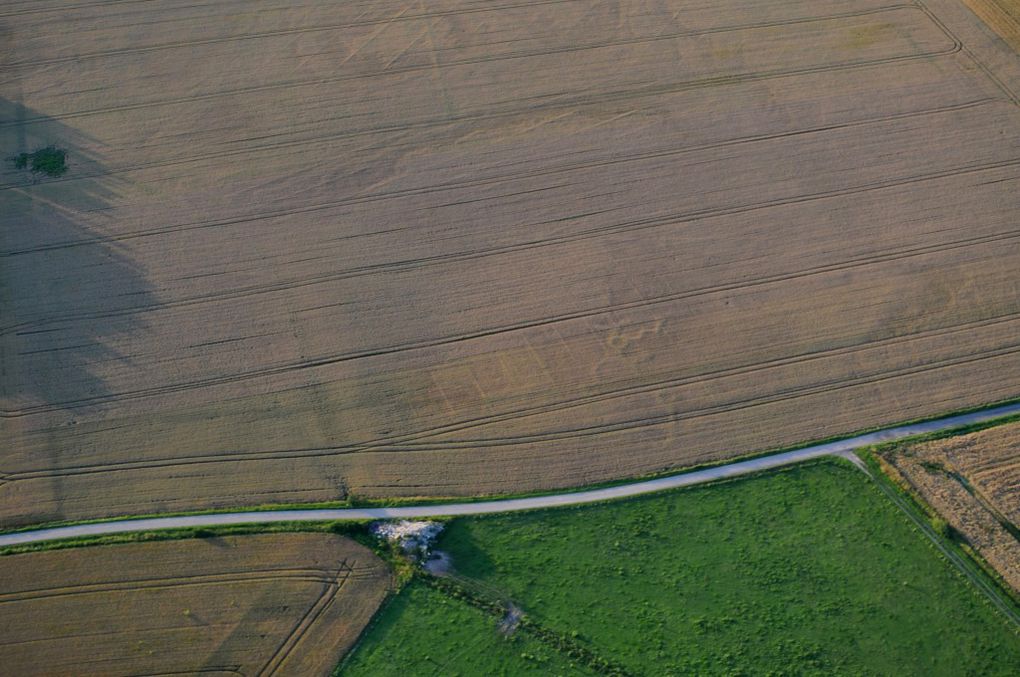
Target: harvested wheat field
(307, 249)
(973, 481)
(288, 604)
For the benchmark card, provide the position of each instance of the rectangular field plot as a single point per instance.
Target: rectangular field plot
(307, 249)
(286, 604)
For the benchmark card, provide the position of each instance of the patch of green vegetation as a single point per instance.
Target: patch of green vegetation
(423, 631)
(913, 503)
(809, 570)
(51, 161)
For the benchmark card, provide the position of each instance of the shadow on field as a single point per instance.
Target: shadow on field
(468, 558)
(68, 291)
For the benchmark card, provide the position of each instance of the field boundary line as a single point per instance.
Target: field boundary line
(255, 576)
(980, 579)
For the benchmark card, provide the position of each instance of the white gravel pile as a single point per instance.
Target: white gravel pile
(412, 536)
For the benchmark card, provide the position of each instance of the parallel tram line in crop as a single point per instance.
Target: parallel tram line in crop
(891, 255)
(587, 99)
(348, 261)
(495, 180)
(311, 575)
(284, 603)
(516, 55)
(377, 352)
(577, 432)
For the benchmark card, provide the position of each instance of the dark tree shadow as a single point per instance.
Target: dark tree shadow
(66, 286)
(468, 558)
(68, 291)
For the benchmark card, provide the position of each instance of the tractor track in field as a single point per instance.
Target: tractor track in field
(843, 448)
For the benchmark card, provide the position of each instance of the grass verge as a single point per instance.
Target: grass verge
(358, 502)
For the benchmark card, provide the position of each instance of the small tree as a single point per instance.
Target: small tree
(943, 528)
(51, 161)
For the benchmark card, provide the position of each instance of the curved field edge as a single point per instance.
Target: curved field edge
(796, 566)
(267, 604)
(355, 502)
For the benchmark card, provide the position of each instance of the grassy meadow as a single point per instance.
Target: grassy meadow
(809, 570)
(423, 632)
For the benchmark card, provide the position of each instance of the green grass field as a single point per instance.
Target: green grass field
(807, 570)
(423, 632)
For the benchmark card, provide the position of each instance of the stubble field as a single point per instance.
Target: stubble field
(288, 604)
(973, 481)
(309, 249)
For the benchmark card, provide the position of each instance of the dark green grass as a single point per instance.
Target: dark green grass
(810, 570)
(424, 632)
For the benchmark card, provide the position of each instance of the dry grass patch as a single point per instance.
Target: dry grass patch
(973, 481)
(288, 604)
(306, 249)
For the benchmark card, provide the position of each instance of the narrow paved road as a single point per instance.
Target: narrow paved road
(840, 448)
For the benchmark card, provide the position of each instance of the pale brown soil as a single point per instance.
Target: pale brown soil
(450, 248)
(280, 604)
(989, 462)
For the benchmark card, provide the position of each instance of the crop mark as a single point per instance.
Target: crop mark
(373, 35)
(635, 424)
(407, 47)
(376, 352)
(407, 443)
(704, 377)
(447, 340)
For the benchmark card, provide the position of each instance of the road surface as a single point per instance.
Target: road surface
(843, 447)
